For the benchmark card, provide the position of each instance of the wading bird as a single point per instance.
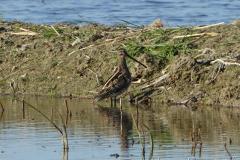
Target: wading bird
(119, 81)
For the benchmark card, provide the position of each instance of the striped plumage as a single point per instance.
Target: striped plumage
(119, 81)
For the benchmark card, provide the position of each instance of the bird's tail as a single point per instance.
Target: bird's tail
(103, 94)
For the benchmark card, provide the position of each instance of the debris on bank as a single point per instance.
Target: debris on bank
(186, 65)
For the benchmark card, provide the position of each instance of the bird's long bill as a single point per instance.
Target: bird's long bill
(136, 60)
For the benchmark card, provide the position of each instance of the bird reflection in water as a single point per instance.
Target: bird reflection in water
(121, 119)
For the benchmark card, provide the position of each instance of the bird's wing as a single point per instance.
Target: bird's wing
(118, 86)
(113, 77)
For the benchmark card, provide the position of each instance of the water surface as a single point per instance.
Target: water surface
(141, 12)
(101, 132)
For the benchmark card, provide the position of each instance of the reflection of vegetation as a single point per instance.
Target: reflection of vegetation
(169, 125)
(64, 121)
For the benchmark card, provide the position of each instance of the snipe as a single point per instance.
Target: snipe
(119, 81)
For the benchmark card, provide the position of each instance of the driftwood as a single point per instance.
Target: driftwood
(25, 32)
(157, 81)
(207, 58)
(208, 26)
(212, 34)
(221, 61)
(144, 96)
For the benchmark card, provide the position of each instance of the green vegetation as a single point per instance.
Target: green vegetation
(80, 59)
(159, 44)
(48, 32)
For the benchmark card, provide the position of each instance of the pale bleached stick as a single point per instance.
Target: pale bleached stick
(23, 33)
(225, 63)
(212, 34)
(208, 26)
(55, 31)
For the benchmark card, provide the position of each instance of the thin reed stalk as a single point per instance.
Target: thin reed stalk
(140, 137)
(64, 122)
(2, 108)
(226, 149)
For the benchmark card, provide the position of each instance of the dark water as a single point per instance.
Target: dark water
(172, 12)
(97, 132)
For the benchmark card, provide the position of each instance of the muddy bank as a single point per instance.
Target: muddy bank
(185, 65)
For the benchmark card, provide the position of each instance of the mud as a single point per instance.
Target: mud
(69, 60)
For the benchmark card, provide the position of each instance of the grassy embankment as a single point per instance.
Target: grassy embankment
(75, 60)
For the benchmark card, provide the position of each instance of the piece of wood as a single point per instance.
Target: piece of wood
(208, 26)
(211, 34)
(157, 81)
(225, 63)
(24, 33)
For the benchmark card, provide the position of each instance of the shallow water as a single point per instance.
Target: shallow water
(101, 132)
(173, 13)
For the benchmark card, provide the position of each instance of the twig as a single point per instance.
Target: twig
(55, 30)
(77, 40)
(208, 26)
(41, 113)
(69, 54)
(25, 30)
(130, 23)
(98, 82)
(23, 108)
(1, 105)
(157, 81)
(212, 34)
(225, 63)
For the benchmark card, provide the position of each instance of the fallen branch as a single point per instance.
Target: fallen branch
(157, 81)
(225, 63)
(23, 33)
(212, 34)
(208, 26)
